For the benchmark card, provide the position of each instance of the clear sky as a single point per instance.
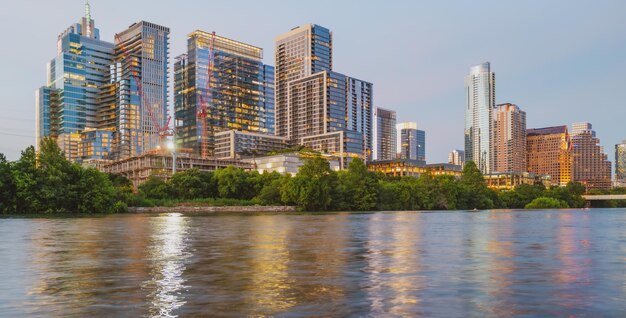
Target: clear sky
(560, 61)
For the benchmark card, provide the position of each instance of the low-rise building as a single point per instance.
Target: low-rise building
(510, 180)
(285, 163)
(233, 144)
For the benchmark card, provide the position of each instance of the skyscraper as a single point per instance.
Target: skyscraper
(240, 95)
(316, 107)
(548, 153)
(301, 52)
(68, 103)
(480, 96)
(412, 142)
(620, 163)
(590, 166)
(509, 139)
(457, 157)
(385, 131)
(140, 73)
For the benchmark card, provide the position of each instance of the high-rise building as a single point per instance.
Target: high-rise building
(548, 153)
(480, 96)
(240, 95)
(316, 107)
(301, 52)
(411, 142)
(620, 163)
(140, 74)
(385, 134)
(457, 157)
(68, 103)
(590, 165)
(509, 139)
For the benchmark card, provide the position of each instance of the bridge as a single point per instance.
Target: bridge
(604, 197)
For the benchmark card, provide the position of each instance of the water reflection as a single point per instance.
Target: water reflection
(167, 254)
(393, 264)
(527, 264)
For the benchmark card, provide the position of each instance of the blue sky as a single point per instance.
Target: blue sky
(560, 61)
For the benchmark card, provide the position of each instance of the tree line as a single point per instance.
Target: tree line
(46, 182)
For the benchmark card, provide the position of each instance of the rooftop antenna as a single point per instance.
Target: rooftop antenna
(88, 18)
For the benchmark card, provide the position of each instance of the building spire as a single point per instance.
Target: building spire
(88, 18)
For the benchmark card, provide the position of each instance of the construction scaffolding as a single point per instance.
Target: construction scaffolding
(139, 168)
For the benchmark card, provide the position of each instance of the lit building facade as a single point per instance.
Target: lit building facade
(234, 144)
(510, 180)
(68, 103)
(509, 139)
(548, 152)
(411, 142)
(412, 168)
(316, 107)
(620, 163)
(457, 157)
(140, 74)
(240, 95)
(480, 96)
(385, 133)
(590, 165)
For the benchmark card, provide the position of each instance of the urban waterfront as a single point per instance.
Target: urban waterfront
(439, 264)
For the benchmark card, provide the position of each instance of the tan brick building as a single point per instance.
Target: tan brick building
(548, 153)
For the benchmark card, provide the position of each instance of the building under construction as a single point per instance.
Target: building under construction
(139, 169)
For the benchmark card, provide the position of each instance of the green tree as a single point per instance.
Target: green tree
(546, 203)
(7, 187)
(235, 183)
(311, 187)
(474, 193)
(193, 184)
(155, 188)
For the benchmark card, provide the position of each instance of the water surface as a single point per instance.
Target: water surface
(448, 264)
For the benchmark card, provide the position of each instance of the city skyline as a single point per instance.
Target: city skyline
(438, 109)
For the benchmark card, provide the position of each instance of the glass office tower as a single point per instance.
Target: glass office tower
(480, 96)
(141, 63)
(68, 103)
(240, 95)
(412, 142)
(385, 131)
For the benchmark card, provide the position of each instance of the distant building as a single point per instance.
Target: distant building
(548, 153)
(385, 134)
(509, 139)
(412, 168)
(457, 157)
(590, 165)
(234, 144)
(510, 180)
(287, 163)
(620, 164)
(411, 142)
(480, 96)
(240, 95)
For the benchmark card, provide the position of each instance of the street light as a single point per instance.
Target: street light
(172, 147)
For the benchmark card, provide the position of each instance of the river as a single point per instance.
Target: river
(439, 264)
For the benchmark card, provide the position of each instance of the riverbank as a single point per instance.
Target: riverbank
(213, 209)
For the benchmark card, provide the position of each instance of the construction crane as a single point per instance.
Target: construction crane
(163, 131)
(201, 115)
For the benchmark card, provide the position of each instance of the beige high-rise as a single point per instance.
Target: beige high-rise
(509, 139)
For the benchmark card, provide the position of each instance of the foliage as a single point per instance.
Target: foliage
(46, 182)
(547, 203)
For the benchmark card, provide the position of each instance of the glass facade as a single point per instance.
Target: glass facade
(385, 134)
(412, 142)
(620, 162)
(68, 103)
(141, 63)
(240, 95)
(480, 95)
